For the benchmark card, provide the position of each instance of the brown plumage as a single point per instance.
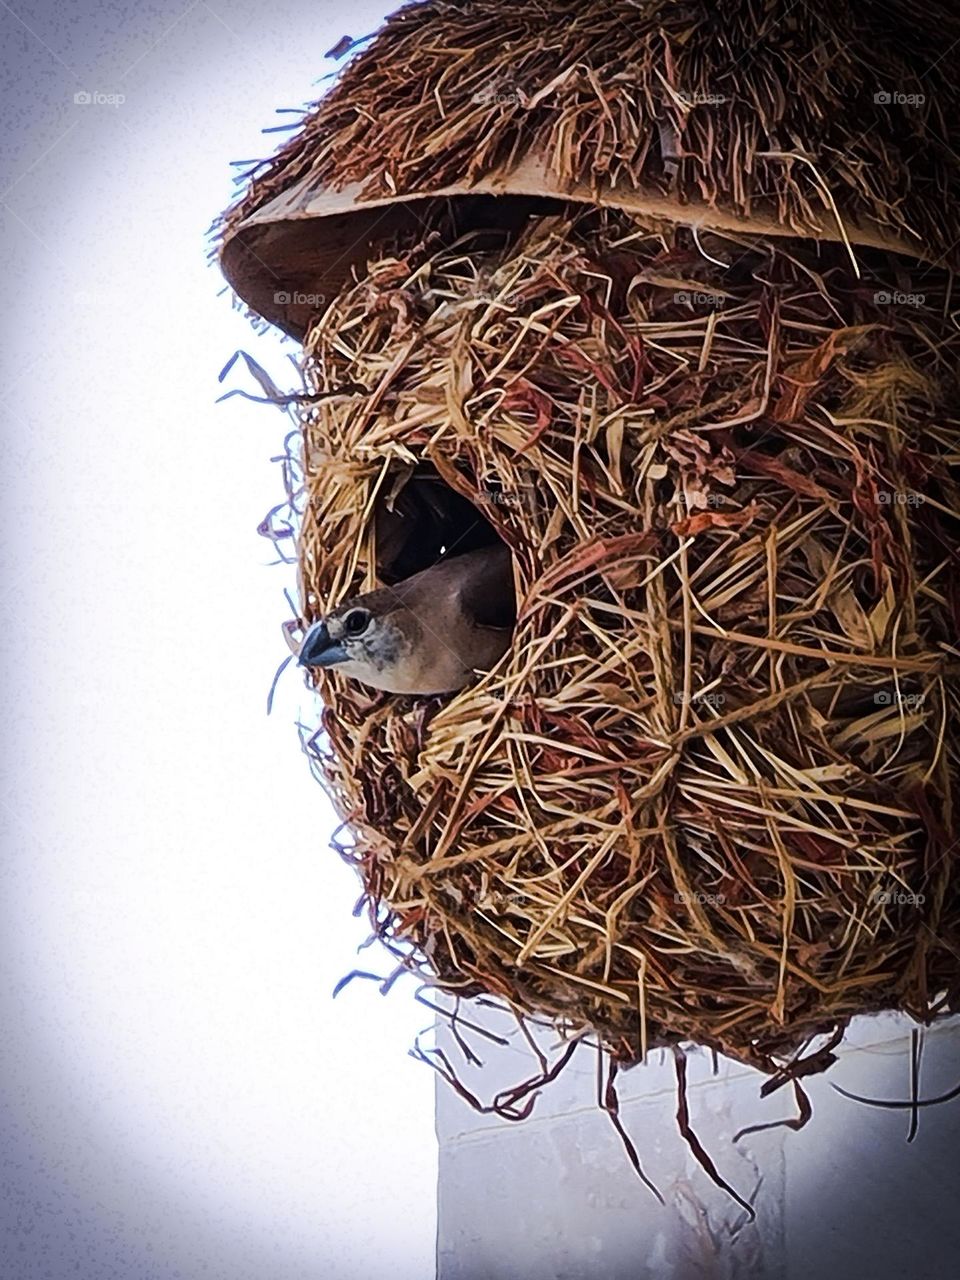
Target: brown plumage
(428, 633)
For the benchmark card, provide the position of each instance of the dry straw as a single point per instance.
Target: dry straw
(709, 794)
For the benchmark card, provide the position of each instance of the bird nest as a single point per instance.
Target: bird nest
(709, 793)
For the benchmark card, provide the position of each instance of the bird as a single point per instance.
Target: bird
(425, 635)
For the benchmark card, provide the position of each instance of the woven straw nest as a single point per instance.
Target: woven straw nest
(710, 792)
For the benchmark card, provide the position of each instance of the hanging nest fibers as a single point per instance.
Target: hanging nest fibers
(709, 794)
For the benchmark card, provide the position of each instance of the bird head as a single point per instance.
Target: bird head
(366, 639)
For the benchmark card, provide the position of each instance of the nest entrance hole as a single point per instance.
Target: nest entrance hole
(420, 519)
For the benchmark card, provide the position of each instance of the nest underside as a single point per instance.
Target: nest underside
(710, 792)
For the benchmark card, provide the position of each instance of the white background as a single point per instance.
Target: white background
(182, 1095)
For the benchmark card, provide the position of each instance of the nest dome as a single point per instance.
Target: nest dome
(658, 293)
(709, 793)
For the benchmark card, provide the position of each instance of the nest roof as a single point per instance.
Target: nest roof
(827, 119)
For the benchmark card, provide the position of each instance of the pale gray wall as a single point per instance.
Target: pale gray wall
(553, 1197)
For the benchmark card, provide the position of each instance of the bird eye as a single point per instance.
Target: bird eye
(356, 622)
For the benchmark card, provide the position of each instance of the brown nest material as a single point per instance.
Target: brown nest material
(710, 792)
(814, 118)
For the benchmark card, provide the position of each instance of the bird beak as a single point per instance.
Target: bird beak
(319, 649)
